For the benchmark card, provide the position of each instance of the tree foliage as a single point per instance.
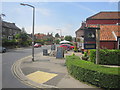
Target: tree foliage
(57, 41)
(68, 38)
(57, 35)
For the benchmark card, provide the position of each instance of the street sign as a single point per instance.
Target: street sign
(89, 35)
(89, 46)
(90, 38)
(92, 34)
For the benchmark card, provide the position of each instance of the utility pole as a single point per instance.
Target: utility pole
(97, 44)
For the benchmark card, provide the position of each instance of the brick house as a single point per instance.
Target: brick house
(80, 32)
(49, 37)
(39, 36)
(109, 28)
(104, 18)
(109, 36)
(80, 35)
(9, 30)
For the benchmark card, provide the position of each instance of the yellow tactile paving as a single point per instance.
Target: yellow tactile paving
(41, 77)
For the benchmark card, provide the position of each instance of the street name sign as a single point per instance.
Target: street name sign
(89, 46)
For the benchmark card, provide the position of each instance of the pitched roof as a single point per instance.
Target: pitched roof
(40, 36)
(10, 25)
(81, 28)
(108, 32)
(106, 15)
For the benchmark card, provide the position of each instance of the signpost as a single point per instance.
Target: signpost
(89, 35)
(89, 46)
(92, 40)
(97, 45)
(89, 38)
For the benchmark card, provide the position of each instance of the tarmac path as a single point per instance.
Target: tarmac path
(8, 59)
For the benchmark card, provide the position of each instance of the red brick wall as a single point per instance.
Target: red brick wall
(102, 21)
(108, 45)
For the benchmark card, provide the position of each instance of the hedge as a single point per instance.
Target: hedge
(86, 71)
(107, 57)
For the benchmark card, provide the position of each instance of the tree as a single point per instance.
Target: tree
(57, 35)
(68, 38)
(23, 30)
(22, 39)
(57, 41)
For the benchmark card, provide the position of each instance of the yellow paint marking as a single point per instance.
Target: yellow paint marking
(41, 77)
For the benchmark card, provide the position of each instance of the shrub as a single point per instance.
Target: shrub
(9, 43)
(104, 77)
(107, 57)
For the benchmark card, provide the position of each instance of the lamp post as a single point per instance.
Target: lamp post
(32, 28)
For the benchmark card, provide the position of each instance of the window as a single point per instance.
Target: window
(10, 37)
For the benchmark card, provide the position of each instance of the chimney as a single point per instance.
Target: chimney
(83, 24)
(13, 23)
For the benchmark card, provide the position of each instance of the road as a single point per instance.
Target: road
(8, 58)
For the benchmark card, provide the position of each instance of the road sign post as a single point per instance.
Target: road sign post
(92, 40)
(97, 45)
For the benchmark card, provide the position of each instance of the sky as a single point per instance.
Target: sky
(54, 17)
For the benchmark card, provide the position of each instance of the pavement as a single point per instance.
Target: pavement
(46, 72)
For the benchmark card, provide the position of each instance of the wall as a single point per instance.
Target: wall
(102, 21)
(79, 33)
(108, 44)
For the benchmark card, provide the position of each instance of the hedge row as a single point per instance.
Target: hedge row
(8, 43)
(86, 71)
(107, 57)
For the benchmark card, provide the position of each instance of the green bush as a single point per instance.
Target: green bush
(86, 71)
(107, 57)
(9, 43)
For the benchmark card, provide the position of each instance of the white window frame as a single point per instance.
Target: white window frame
(10, 37)
(118, 43)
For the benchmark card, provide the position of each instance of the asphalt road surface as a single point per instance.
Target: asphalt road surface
(8, 58)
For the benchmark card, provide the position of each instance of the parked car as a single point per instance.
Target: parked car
(2, 49)
(37, 45)
(67, 46)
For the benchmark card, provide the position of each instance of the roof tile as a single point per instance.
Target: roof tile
(106, 15)
(106, 32)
